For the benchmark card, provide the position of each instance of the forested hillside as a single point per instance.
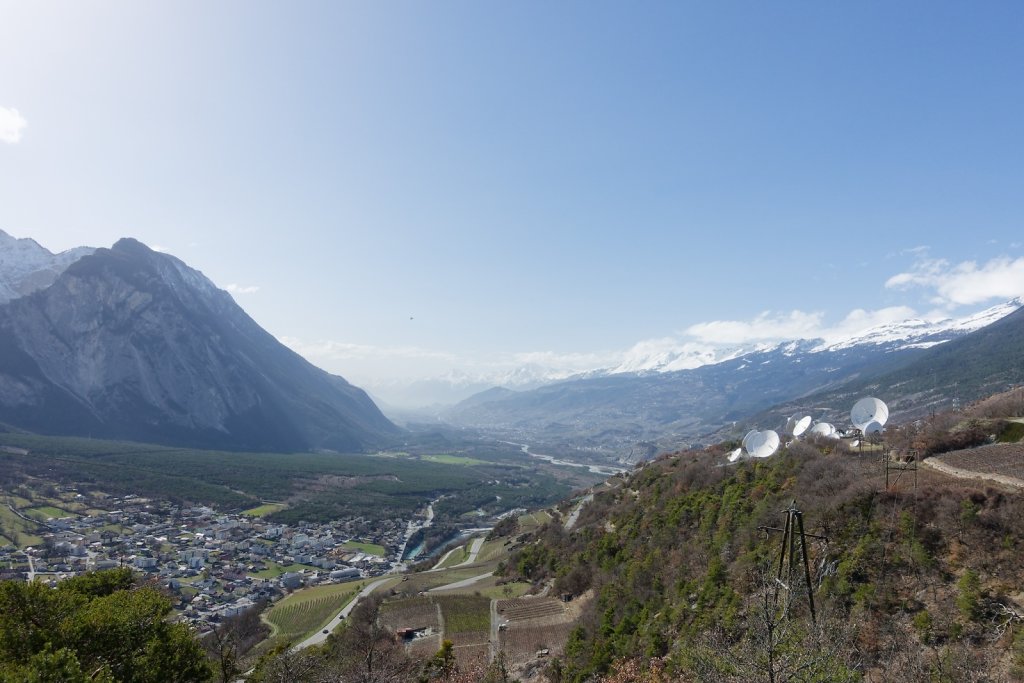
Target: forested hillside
(96, 627)
(910, 583)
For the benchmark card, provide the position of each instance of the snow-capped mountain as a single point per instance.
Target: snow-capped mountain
(617, 411)
(26, 267)
(667, 356)
(916, 333)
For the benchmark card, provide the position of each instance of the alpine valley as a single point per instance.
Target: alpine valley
(129, 343)
(631, 415)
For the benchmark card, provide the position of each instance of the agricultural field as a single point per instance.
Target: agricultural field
(464, 614)
(1000, 459)
(492, 549)
(45, 512)
(22, 533)
(534, 520)
(368, 548)
(458, 556)
(418, 612)
(263, 510)
(533, 624)
(308, 610)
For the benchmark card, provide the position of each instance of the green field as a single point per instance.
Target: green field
(44, 512)
(492, 549)
(22, 533)
(460, 555)
(368, 548)
(263, 510)
(275, 570)
(464, 613)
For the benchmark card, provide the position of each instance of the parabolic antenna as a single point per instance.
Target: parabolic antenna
(873, 427)
(823, 429)
(867, 410)
(801, 425)
(735, 455)
(763, 444)
(854, 443)
(747, 436)
(788, 429)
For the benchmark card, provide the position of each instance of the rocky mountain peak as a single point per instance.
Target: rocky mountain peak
(26, 266)
(132, 343)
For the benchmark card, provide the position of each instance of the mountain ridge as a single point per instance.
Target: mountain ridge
(26, 266)
(131, 343)
(614, 412)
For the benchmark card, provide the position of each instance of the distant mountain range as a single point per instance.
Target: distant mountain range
(130, 343)
(615, 412)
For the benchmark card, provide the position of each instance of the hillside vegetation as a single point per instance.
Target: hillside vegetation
(912, 584)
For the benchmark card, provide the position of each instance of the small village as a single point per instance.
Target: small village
(214, 565)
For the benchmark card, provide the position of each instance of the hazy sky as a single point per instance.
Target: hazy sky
(403, 188)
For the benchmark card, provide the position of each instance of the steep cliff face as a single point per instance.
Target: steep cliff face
(131, 343)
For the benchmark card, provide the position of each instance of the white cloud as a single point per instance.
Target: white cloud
(765, 326)
(240, 289)
(12, 123)
(964, 283)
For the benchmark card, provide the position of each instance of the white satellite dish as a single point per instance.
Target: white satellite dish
(871, 428)
(788, 429)
(823, 429)
(801, 425)
(763, 444)
(735, 455)
(854, 443)
(867, 410)
(747, 436)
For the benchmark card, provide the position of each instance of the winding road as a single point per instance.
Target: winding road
(319, 637)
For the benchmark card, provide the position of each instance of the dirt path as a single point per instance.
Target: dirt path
(460, 584)
(959, 473)
(474, 550)
(495, 620)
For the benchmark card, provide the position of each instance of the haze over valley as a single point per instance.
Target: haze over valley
(482, 343)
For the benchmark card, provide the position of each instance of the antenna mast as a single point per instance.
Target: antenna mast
(794, 544)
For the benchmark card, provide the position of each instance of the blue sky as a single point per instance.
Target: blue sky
(552, 183)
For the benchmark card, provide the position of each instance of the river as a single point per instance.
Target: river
(603, 470)
(411, 529)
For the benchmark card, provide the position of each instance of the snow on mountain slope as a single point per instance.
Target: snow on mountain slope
(26, 267)
(917, 333)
